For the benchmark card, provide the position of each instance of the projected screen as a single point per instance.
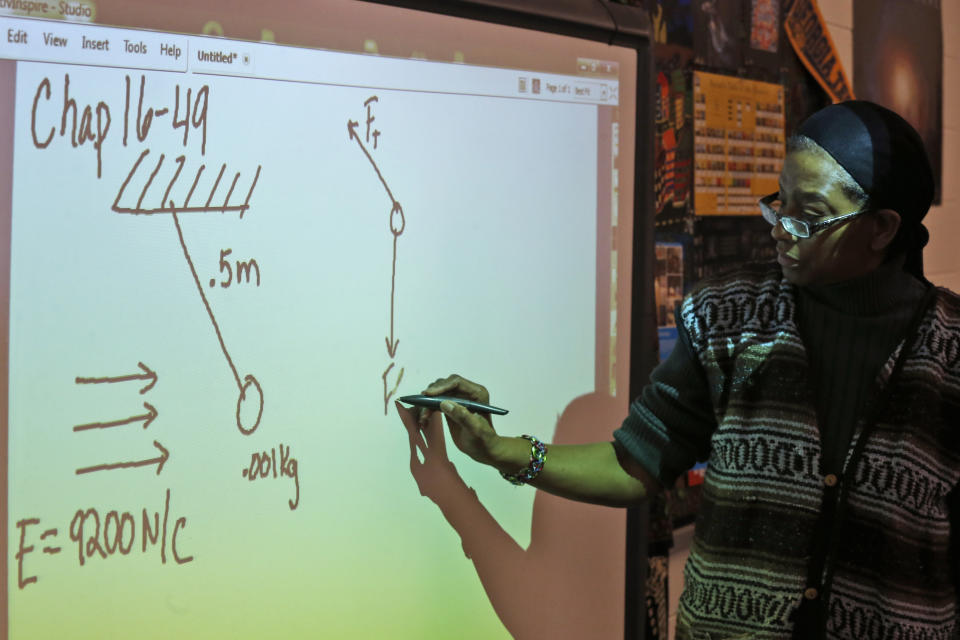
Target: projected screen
(230, 242)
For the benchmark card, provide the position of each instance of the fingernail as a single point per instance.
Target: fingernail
(446, 406)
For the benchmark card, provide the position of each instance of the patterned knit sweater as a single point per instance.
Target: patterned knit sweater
(782, 548)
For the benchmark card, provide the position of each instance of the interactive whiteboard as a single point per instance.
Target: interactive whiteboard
(227, 259)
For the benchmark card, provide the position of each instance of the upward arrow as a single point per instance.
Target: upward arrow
(148, 374)
(351, 131)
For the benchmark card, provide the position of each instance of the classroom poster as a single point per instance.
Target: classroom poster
(898, 62)
(718, 40)
(738, 143)
(673, 147)
(810, 37)
(764, 42)
(668, 291)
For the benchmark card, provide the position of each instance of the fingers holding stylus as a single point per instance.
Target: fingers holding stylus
(456, 386)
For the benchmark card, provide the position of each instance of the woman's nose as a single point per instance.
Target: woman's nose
(779, 233)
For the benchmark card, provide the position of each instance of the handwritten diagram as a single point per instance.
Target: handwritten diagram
(159, 461)
(148, 374)
(397, 225)
(275, 274)
(105, 532)
(98, 534)
(147, 418)
(248, 387)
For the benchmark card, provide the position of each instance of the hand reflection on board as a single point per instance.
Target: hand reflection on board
(568, 583)
(429, 464)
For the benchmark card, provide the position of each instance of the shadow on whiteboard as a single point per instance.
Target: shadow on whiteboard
(568, 584)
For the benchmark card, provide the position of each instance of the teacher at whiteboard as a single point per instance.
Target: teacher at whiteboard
(822, 390)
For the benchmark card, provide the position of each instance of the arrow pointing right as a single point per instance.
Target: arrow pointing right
(159, 461)
(148, 374)
(149, 417)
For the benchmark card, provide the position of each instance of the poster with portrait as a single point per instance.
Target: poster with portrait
(719, 34)
(898, 62)
(763, 46)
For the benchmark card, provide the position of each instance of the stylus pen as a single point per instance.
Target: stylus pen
(433, 402)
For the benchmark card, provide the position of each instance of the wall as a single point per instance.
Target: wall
(941, 265)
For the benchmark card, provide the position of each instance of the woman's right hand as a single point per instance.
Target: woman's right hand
(472, 433)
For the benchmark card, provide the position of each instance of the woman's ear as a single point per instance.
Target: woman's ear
(886, 223)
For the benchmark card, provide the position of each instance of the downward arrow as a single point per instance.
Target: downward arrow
(392, 346)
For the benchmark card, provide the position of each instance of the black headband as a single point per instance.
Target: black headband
(886, 157)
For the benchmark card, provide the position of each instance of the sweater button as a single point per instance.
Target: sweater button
(830, 480)
(811, 593)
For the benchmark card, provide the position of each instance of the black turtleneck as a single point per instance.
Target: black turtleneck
(849, 330)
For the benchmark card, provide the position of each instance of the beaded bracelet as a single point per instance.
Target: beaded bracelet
(538, 455)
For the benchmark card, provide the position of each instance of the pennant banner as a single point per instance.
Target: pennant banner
(810, 38)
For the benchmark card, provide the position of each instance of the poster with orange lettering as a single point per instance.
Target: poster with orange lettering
(739, 143)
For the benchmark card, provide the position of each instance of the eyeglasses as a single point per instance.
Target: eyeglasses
(770, 206)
